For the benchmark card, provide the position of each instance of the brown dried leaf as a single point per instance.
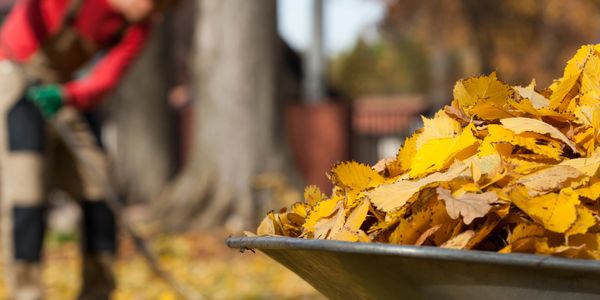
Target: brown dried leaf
(468, 205)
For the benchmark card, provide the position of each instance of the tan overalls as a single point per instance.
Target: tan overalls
(33, 160)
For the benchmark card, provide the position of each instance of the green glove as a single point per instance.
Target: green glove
(48, 98)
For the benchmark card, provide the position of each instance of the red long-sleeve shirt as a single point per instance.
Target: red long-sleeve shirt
(96, 21)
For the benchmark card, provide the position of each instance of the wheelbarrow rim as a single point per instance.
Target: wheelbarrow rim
(417, 252)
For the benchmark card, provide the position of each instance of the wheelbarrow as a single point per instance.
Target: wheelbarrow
(344, 270)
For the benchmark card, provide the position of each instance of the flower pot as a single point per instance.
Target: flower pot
(319, 138)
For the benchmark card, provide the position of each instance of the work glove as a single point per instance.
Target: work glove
(48, 98)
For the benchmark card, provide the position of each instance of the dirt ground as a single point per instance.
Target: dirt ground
(199, 259)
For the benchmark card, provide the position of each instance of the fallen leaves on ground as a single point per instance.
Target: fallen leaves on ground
(201, 260)
(502, 168)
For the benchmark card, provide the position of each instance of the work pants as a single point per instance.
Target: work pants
(33, 160)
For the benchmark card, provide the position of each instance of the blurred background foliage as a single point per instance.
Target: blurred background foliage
(425, 46)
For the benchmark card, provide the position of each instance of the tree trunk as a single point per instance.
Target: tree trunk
(235, 66)
(144, 124)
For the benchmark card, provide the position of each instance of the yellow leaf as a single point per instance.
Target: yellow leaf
(323, 209)
(353, 223)
(357, 217)
(382, 165)
(549, 179)
(266, 227)
(491, 221)
(577, 63)
(489, 111)
(299, 209)
(520, 125)
(488, 165)
(475, 172)
(563, 92)
(427, 234)
(329, 226)
(523, 167)
(534, 142)
(441, 126)
(590, 80)
(487, 91)
(405, 156)
(460, 241)
(536, 100)
(390, 197)
(353, 176)
(409, 230)
(585, 138)
(556, 212)
(591, 192)
(438, 154)
(585, 220)
(351, 236)
(590, 240)
(586, 165)
(526, 230)
(564, 89)
(313, 195)
(526, 106)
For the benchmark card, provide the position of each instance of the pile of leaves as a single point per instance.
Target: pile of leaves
(502, 168)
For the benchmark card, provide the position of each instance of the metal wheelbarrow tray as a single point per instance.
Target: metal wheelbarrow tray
(343, 270)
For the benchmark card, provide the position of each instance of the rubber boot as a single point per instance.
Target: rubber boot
(98, 280)
(99, 247)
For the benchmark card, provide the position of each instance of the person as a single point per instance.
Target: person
(43, 44)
